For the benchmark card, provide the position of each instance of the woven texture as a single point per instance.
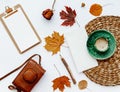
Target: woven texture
(107, 72)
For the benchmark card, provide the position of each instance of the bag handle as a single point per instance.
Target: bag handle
(21, 66)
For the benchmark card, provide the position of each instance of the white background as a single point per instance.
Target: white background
(10, 58)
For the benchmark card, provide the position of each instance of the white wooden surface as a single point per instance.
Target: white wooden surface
(10, 58)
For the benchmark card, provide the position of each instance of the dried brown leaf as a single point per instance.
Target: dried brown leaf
(54, 42)
(82, 84)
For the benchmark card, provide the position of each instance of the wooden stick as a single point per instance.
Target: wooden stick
(68, 69)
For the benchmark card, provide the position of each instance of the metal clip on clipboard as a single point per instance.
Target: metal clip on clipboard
(9, 11)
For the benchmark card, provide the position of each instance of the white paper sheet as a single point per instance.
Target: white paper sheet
(76, 40)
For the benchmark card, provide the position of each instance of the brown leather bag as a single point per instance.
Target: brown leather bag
(29, 75)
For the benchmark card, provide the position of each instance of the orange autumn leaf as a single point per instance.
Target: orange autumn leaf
(96, 9)
(60, 83)
(54, 42)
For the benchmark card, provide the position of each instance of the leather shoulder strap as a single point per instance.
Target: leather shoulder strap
(21, 66)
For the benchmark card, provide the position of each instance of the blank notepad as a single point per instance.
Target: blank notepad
(77, 44)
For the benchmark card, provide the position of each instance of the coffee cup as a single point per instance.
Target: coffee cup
(101, 44)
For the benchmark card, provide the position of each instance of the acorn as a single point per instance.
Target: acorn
(82, 4)
(48, 13)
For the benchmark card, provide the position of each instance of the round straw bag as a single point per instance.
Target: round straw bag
(107, 72)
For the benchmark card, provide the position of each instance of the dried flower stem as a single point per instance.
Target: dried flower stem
(65, 46)
(77, 23)
(53, 4)
(57, 70)
(107, 4)
(89, 90)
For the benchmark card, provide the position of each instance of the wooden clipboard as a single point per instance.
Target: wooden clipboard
(19, 28)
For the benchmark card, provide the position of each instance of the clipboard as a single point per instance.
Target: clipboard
(19, 28)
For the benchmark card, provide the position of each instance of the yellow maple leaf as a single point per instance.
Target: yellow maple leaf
(54, 42)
